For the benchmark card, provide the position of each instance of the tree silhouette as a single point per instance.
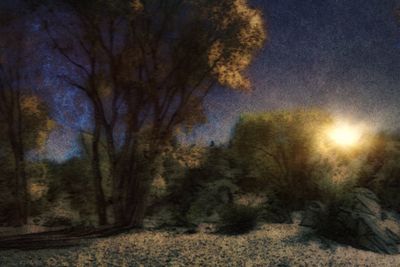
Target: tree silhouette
(146, 66)
(23, 115)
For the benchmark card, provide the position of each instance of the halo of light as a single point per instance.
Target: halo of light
(345, 135)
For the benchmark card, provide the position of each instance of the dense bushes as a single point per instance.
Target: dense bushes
(280, 155)
(285, 157)
(70, 192)
(278, 151)
(237, 219)
(7, 196)
(271, 167)
(381, 173)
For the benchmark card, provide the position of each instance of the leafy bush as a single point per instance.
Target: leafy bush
(237, 219)
(274, 211)
(8, 205)
(209, 200)
(70, 184)
(199, 182)
(277, 149)
(381, 171)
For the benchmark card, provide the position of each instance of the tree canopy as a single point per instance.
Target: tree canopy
(147, 66)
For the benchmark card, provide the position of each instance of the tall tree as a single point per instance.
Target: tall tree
(23, 116)
(146, 67)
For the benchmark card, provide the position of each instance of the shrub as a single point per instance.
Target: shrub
(277, 149)
(381, 171)
(237, 219)
(274, 211)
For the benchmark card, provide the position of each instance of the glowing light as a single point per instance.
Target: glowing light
(345, 135)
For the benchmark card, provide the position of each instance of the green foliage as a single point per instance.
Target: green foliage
(237, 219)
(37, 124)
(336, 177)
(38, 176)
(71, 186)
(210, 200)
(194, 184)
(381, 172)
(278, 148)
(7, 197)
(274, 211)
(172, 189)
(190, 46)
(209, 186)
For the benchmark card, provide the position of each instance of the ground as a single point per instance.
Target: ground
(269, 245)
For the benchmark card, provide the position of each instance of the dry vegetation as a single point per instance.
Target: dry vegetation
(269, 245)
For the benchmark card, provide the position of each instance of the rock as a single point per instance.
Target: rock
(364, 201)
(313, 214)
(358, 221)
(206, 228)
(372, 237)
(297, 216)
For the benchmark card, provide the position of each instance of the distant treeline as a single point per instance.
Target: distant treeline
(274, 163)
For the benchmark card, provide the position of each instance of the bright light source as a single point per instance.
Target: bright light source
(345, 135)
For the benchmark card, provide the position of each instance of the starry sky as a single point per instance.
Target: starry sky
(340, 55)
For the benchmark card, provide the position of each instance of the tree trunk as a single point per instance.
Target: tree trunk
(97, 176)
(117, 196)
(135, 200)
(21, 187)
(137, 175)
(22, 164)
(137, 208)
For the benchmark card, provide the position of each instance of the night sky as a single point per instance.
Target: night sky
(340, 55)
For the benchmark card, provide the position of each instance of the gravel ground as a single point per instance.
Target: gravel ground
(270, 245)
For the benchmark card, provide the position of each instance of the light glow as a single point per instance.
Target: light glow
(345, 135)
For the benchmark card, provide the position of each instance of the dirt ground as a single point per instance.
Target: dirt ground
(269, 245)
